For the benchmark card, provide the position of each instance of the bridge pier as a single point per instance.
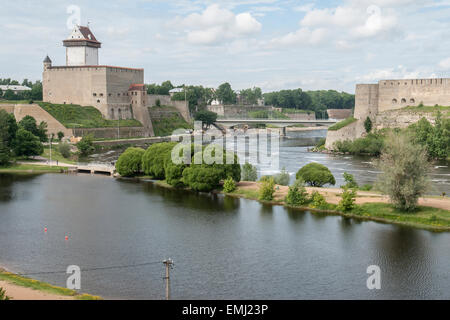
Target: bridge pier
(283, 131)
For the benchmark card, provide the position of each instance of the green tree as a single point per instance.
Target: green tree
(249, 172)
(5, 154)
(404, 167)
(60, 135)
(26, 144)
(282, 178)
(206, 117)
(86, 145)
(368, 125)
(229, 185)
(350, 181)
(153, 160)
(225, 94)
(266, 190)
(29, 124)
(347, 202)
(130, 162)
(316, 175)
(297, 194)
(9, 95)
(318, 200)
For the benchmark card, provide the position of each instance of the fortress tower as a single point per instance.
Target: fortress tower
(81, 47)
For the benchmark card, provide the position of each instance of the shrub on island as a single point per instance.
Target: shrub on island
(316, 175)
(130, 162)
(266, 190)
(297, 195)
(249, 172)
(229, 185)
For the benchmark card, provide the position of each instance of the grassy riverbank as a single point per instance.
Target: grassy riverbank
(40, 286)
(370, 206)
(31, 168)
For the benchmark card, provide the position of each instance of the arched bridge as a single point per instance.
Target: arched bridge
(282, 123)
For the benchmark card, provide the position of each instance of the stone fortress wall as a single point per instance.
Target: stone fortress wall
(377, 101)
(103, 87)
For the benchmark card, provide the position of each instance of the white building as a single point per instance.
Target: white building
(14, 88)
(81, 47)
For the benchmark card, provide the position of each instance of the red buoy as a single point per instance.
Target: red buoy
(45, 229)
(67, 238)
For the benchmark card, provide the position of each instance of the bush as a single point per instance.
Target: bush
(372, 144)
(86, 145)
(202, 178)
(249, 172)
(368, 125)
(3, 295)
(229, 185)
(316, 175)
(282, 178)
(350, 181)
(154, 158)
(174, 172)
(318, 200)
(130, 162)
(348, 200)
(404, 167)
(5, 154)
(297, 194)
(60, 135)
(321, 143)
(64, 149)
(266, 190)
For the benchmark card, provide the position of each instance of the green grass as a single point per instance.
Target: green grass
(427, 109)
(342, 124)
(75, 116)
(56, 155)
(249, 194)
(42, 286)
(169, 123)
(423, 217)
(17, 168)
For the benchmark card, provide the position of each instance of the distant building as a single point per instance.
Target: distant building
(175, 90)
(339, 114)
(14, 88)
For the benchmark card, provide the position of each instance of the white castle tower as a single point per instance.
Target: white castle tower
(81, 47)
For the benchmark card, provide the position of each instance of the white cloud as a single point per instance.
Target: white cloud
(445, 64)
(399, 72)
(215, 24)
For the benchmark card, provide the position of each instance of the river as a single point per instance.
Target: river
(223, 247)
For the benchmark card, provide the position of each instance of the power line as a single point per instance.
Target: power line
(94, 268)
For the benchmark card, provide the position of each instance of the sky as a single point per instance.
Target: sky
(271, 44)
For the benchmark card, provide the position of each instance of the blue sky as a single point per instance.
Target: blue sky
(273, 44)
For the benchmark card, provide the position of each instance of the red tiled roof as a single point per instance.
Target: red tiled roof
(87, 34)
(137, 87)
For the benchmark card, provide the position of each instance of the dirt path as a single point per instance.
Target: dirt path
(16, 292)
(332, 195)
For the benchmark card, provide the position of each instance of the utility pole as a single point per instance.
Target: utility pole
(118, 126)
(51, 138)
(169, 265)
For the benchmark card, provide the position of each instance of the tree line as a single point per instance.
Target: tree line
(316, 101)
(34, 94)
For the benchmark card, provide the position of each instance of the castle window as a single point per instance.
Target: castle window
(403, 100)
(94, 94)
(412, 101)
(98, 101)
(101, 94)
(109, 94)
(118, 94)
(394, 101)
(112, 113)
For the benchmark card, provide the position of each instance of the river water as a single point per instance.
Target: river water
(223, 247)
